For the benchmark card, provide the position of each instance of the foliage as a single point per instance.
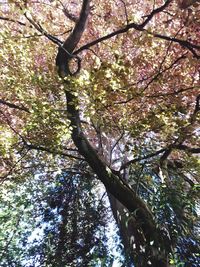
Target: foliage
(132, 111)
(175, 209)
(60, 222)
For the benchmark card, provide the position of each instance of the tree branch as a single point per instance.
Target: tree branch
(13, 20)
(154, 12)
(125, 165)
(191, 47)
(11, 105)
(176, 92)
(196, 109)
(65, 51)
(193, 150)
(140, 27)
(51, 151)
(3, 178)
(115, 144)
(40, 29)
(68, 14)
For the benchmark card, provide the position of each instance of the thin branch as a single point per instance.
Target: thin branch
(163, 71)
(125, 165)
(115, 144)
(108, 36)
(182, 43)
(189, 181)
(67, 13)
(30, 146)
(196, 109)
(125, 11)
(39, 28)
(10, 126)
(193, 150)
(4, 250)
(154, 78)
(138, 182)
(154, 12)
(171, 93)
(11, 105)
(139, 27)
(167, 51)
(51, 151)
(3, 178)
(13, 20)
(99, 137)
(165, 155)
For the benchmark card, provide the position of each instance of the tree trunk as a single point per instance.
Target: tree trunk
(137, 250)
(148, 246)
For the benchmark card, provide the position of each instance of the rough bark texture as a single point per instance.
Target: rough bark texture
(142, 224)
(134, 241)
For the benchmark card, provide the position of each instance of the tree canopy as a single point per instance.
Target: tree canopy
(99, 95)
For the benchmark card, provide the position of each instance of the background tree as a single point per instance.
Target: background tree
(55, 222)
(128, 95)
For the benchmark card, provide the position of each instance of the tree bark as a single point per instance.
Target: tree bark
(134, 241)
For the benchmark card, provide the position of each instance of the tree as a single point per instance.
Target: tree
(127, 96)
(55, 222)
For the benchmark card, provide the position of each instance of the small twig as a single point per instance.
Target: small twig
(39, 28)
(3, 178)
(154, 78)
(154, 12)
(171, 93)
(115, 144)
(67, 13)
(125, 10)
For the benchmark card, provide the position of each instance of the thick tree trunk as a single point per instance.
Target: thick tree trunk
(137, 249)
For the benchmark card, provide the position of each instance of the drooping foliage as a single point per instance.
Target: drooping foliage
(175, 210)
(123, 95)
